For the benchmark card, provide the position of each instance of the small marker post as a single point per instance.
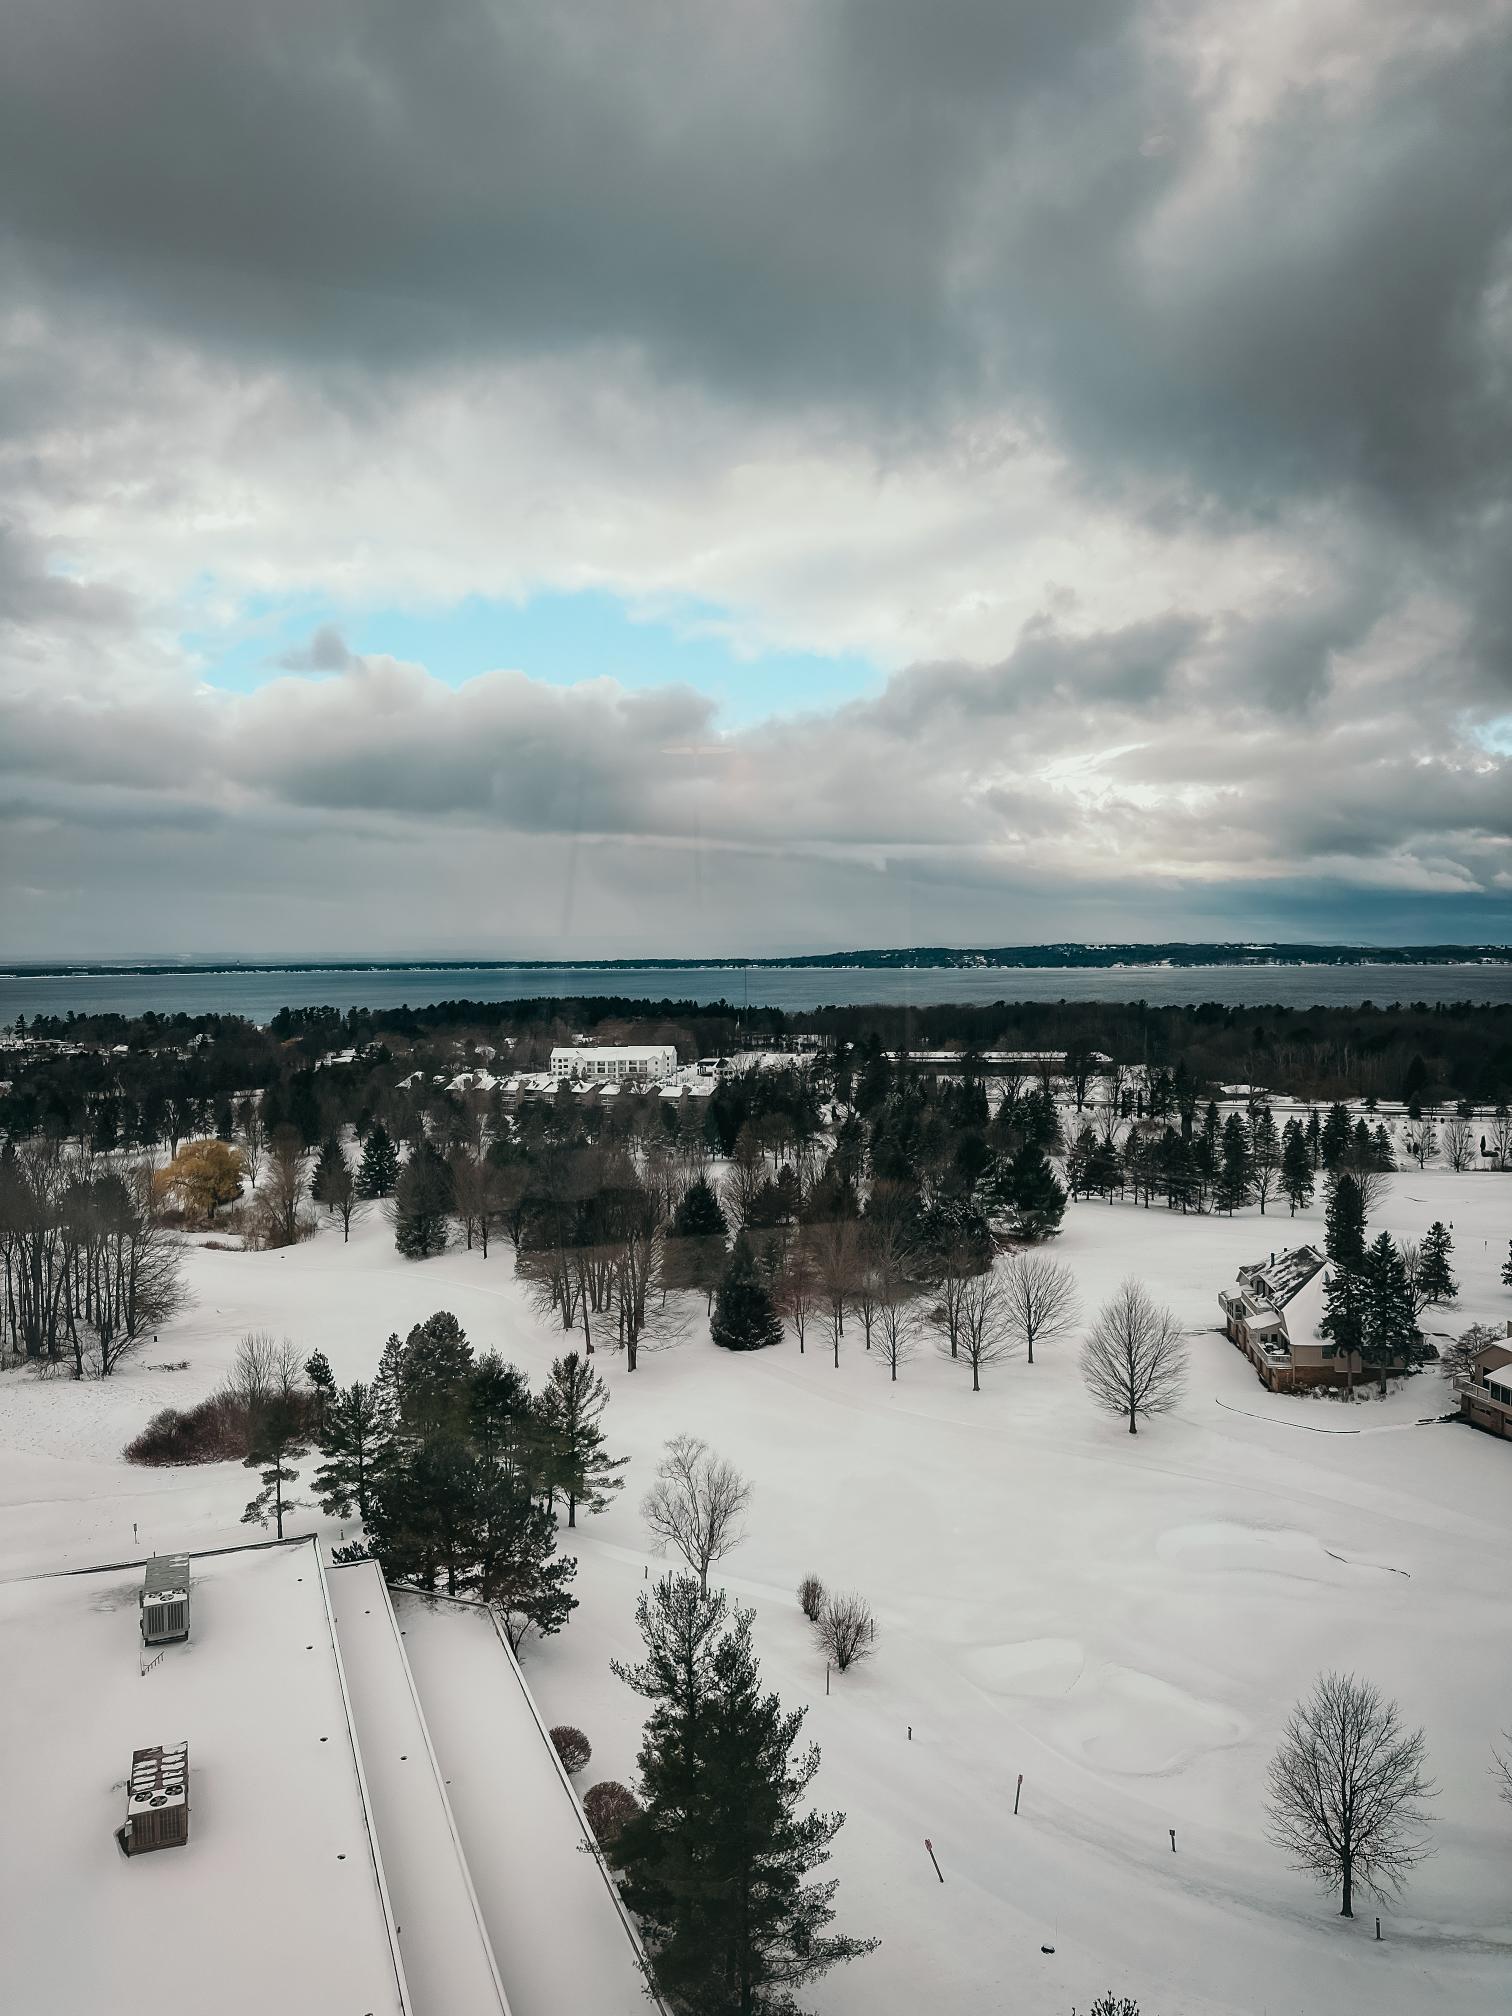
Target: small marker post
(826, 1677)
(1016, 1791)
(910, 1732)
(1378, 1928)
(930, 1846)
(1173, 1840)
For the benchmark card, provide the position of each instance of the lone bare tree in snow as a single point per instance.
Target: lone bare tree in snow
(1134, 1357)
(1347, 1789)
(846, 1629)
(696, 1505)
(1040, 1299)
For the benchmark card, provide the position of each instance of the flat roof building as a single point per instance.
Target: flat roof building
(613, 1064)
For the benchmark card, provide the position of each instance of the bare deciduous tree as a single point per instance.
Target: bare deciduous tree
(897, 1322)
(696, 1505)
(811, 1597)
(846, 1629)
(1347, 1790)
(798, 1287)
(1040, 1298)
(1501, 1768)
(1134, 1357)
(984, 1331)
(1459, 1145)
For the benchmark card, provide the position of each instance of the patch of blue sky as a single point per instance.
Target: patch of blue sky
(560, 639)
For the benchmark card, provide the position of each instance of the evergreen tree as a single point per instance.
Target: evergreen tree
(1314, 1138)
(1265, 1155)
(422, 1203)
(1389, 1333)
(571, 1404)
(1435, 1279)
(1506, 1272)
(1296, 1167)
(1343, 1318)
(353, 1440)
(434, 1379)
(699, 1214)
(1344, 1223)
(323, 1382)
(1236, 1176)
(380, 1165)
(502, 1419)
(515, 1565)
(1035, 1195)
(745, 1316)
(1079, 1160)
(717, 1861)
(1335, 1138)
(277, 1444)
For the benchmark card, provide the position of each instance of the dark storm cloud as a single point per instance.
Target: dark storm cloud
(875, 204)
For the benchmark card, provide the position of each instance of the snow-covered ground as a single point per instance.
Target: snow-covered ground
(1124, 1620)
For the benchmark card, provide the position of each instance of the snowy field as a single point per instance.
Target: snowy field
(1124, 1621)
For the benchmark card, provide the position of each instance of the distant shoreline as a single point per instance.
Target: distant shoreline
(1029, 959)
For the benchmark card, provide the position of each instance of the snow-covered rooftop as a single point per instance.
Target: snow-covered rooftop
(563, 1942)
(277, 1901)
(448, 1962)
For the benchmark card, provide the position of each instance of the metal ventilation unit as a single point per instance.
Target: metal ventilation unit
(157, 1799)
(165, 1599)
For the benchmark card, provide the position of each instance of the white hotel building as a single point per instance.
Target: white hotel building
(614, 1064)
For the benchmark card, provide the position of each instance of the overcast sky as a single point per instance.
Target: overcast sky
(784, 474)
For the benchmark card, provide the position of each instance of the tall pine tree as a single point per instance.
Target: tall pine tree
(1389, 1332)
(354, 1439)
(717, 1862)
(1296, 1167)
(579, 1468)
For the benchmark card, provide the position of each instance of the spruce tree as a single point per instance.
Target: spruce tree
(1335, 1138)
(571, 1403)
(699, 1214)
(422, 1203)
(1235, 1177)
(1506, 1272)
(380, 1165)
(1296, 1167)
(434, 1379)
(717, 1861)
(1344, 1234)
(1035, 1195)
(1389, 1333)
(353, 1440)
(1343, 1318)
(1435, 1279)
(745, 1316)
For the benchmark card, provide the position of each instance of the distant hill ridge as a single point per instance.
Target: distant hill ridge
(1008, 957)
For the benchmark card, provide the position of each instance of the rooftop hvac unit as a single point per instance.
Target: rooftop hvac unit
(157, 1799)
(165, 1599)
